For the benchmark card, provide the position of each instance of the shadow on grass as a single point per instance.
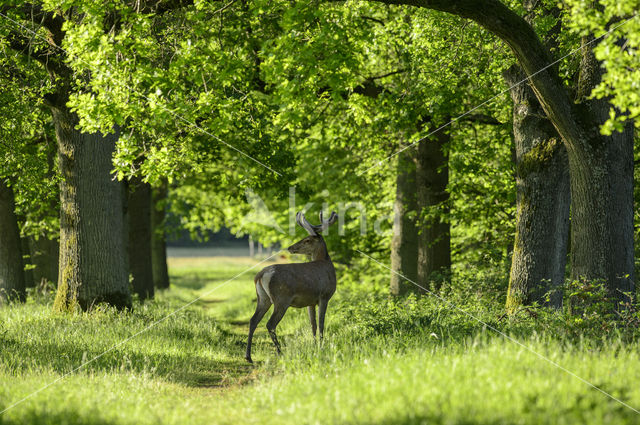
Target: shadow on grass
(435, 420)
(68, 417)
(210, 301)
(184, 368)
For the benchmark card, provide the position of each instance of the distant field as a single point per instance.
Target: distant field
(230, 251)
(214, 251)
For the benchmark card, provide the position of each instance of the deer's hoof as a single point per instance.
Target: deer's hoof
(248, 358)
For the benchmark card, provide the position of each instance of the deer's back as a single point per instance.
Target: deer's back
(299, 284)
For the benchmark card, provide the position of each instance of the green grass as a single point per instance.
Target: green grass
(383, 362)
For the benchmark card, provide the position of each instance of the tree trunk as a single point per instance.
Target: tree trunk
(159, 241)
(12, 286)
(140, 263)
(542, 208)
(612, 164)
(27, 263)
(404, 245)
(44, 256)
(434, 243)
(92, 268)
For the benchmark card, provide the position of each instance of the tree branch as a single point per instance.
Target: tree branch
(53, 58)
(482, 119)
(51, 61)
(388, 74)
(160, 6)
(372, 19)
(532, 55)
(37, 15)
(370, 89)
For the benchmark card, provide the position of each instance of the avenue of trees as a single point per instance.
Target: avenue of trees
(471, 135)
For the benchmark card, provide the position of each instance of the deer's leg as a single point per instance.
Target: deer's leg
(278, 314)
(263, 306)
(312, 318)
(322, 309)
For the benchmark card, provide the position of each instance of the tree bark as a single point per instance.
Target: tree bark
(44, 256)
(12, 285)
(140, 263)
(92, 268)
(542, 206)
(404, 245)
(616, 162)
(159, 242)
(594, 188)
(434, 244)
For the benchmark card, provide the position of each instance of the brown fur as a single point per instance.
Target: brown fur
(298, 285)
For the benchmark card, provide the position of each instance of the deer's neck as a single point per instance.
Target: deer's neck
(321, 253)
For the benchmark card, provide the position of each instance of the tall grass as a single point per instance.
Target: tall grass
(383, 361)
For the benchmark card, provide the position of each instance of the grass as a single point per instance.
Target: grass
(383, 362)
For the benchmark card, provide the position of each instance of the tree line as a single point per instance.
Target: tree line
(117, 111)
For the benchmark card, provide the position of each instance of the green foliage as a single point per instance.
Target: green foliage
(591, 313)
(27, 142)
(618, 51)
(319, 93)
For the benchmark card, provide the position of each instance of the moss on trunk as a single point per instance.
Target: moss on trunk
(92, 267)
(542, 202)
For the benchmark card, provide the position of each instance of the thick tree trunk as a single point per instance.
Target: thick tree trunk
(542, 212)
(621, 170)
(140, 263)
(92, 268)
(404, 245)
(12, 286)
(434, 243)
(159, 242)
(45, 253)
(612, 184)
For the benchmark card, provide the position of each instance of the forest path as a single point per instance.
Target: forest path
(226, 288)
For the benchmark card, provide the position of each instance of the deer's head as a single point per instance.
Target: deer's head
(313, 244)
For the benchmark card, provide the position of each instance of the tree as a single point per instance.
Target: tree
(542, 215)
(188, 107)
(140, 238)
(12, 285)
(91, 264)
(158, 236)
(432, 178)
(45, 252)
(596, 189)
(404, 244)
(28, 154)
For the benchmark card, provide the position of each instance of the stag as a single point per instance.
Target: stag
(298, 285)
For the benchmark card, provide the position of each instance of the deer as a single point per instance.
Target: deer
(297, 285)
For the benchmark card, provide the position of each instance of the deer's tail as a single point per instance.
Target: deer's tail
(258, 276)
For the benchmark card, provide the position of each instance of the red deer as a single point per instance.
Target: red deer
(298, 284)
